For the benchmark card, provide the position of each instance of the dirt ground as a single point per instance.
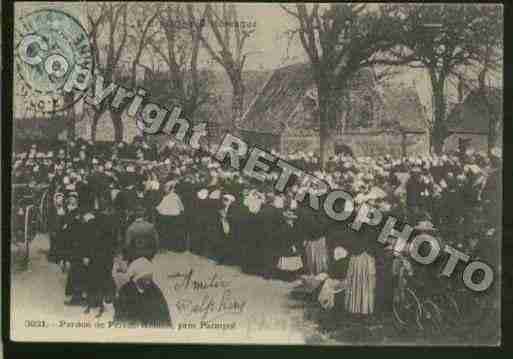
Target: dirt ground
(211, 294)
(209, 303)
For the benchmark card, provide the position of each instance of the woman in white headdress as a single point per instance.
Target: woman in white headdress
(140, 300)
(170, 218)
(252, 234)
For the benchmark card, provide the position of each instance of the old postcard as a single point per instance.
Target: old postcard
(256, 173)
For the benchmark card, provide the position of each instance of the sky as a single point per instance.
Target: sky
(268, 46)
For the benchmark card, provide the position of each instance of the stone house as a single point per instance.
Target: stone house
(380, 118)
(470, 121)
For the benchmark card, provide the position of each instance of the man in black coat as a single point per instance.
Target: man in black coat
(414, 188)
(73, 252)
(223, 232)
(273, 218)
(126, 200)
(101, 231)
(56, 218)
(203, 218)
(253, 233)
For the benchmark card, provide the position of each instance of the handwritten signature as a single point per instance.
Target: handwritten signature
(226, 303)
(187, 281)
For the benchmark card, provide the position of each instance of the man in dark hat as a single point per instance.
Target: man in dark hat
(73, 249)
(99, 185)
(89, 251)
(126, 199)
(414, 189)
(101, 230)
(56, 217)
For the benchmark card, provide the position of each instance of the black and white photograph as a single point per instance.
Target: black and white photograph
(256, 173)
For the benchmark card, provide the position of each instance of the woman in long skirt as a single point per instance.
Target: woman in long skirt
(316, 251)
(361, 277)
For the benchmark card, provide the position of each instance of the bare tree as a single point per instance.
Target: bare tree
(227, 49)
(491, 24)
(142, 17)
(108, 33)
(445, 40)
(178, 45)
(340, 40)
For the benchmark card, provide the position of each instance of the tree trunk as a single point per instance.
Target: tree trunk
(133, 80)
(327, 116)
(70, 126)
(492, 133)
(493, 118)
(94, 125)
(327, 144)
(439, 132)
(237, 102)
(493, 122)
(118, 126)
(403, 145)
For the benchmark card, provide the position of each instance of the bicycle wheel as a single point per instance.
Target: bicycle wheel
(408, 311)
(450, 310)
(432, 321)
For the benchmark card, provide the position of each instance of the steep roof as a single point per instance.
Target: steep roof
(287, 86)
(219, 108)
(473, 114)
(277, 99)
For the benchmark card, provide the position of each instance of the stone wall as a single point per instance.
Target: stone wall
(417, 144)
(364, 144)
(105, 129)
(300, 143)
(479, 142)
(384, 143)
(265, 141)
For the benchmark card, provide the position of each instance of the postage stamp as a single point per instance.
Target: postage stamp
(53, 59)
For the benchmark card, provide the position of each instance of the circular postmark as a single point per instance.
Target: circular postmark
(54, 60)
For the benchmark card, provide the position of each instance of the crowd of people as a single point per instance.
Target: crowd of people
(113, 208)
